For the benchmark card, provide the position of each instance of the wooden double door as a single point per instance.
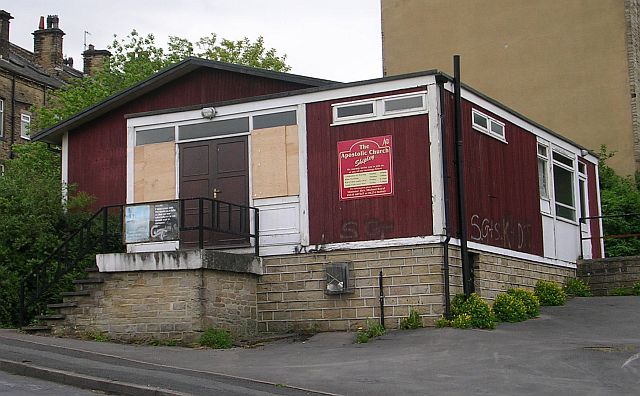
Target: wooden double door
(215, 169)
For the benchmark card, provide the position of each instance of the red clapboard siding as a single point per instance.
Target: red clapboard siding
(98, 150)
(501, 184)
(405, 214)
(594, 225)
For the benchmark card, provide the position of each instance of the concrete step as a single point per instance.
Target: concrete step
(92, 269)
(36, 329)
(51, 317)
(88, 281)
(62, 305)
(77, 293)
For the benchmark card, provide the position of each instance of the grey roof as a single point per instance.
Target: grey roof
(54, 133)
(20, 66)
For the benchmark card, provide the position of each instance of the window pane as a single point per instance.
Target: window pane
(583, 200)
(542, 150)
(480, 120)
(214, 128)
(497, 128)
(157, 135)
(274, 120)
(565, 213)
(543, 179)
(563, 189)
(25, 123)
(414, 102)
(582, 168)
(563, 160)
(354, 110)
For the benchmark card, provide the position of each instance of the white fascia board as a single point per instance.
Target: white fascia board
(302, 174)
(283, 102)
(436, 165)
(485, 104)
(131, 136)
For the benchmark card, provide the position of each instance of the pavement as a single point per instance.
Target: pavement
(591, 346)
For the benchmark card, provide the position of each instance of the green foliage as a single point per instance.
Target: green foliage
(622, 291)
(480, 315)
(137, 57)
(619, 195)
(529, 300)
(413, 321)
(443, 322)
(216, 339)
(550, 293)
(34, 219)
(162, 342)
(577, 288)
(462, 321)
(636, 289)
(509, 308)
(374, 329)
(98, 336)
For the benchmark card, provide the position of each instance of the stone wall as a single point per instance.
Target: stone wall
(176, 304)
(605, 275)
(291, 292)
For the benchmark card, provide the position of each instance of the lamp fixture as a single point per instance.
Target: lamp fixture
(208, 112)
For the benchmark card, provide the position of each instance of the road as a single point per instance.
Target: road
(591, 346)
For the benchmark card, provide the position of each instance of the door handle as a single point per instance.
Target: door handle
(216, 192)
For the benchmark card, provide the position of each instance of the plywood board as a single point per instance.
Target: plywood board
(293, 170)
(269, 162)
(154, 172)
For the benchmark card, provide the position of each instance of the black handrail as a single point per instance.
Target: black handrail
(36, 286)
(603, 236)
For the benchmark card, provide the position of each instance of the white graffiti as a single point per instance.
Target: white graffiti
(505, 232)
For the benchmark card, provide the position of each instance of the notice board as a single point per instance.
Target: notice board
(366, 167)
(154, 222)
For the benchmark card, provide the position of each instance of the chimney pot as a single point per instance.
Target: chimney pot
(41, 24)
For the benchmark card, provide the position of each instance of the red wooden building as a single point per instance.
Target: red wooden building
(358, 178)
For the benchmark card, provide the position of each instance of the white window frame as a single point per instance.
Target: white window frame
(487, 130)
(1, 117)
(572, 169)
(545, 201)
(25, 118)
(378, 106)
(583, 198)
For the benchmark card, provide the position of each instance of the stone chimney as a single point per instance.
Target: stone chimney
(47, 45)
(94, 60)
(5, 17)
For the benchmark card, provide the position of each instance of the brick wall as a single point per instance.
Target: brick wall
(605, 275)
(174, 304)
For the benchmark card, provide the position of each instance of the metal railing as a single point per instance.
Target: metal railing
(215, 224)
(603, 232)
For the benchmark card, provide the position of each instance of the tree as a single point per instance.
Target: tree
(34, 218)
(619, 195)
(137, 57)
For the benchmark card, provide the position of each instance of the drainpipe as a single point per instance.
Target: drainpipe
(440, 81)
(462, 215)
(13, 115)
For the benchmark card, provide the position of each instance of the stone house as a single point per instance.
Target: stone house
(27, 78)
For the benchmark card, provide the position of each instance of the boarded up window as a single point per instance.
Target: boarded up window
(274, 159)
(154, 172)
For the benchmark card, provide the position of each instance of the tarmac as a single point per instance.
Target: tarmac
(591, 346)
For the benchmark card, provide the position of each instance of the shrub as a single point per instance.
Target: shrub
(361, 336)
(550, 293)
(577, 288)
(480, 313)
(216, 339)
(443, 322)
(622, 291)
(509, 308)
(462, 321)
(529, 299)
(373, 330)
(636, 289)
(413, 321)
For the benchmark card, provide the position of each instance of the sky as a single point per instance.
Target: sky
(331, 39)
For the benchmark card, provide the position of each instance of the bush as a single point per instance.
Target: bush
(622, 291)
(550, 293)
(216, 339)
(479, 312)
(462, 321)
(529, 299)
(636, 289)
(373, 330)
(413, 321)
(577, 288)
(509, 308)
(443, 322)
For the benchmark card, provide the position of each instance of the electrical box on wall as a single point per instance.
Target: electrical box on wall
(338, 278)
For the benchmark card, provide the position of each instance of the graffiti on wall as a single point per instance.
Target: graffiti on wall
(353, 230)
(504, 232)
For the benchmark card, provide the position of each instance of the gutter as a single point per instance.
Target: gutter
(440, 81)
(462, 215)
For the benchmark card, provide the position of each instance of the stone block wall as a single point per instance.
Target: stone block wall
(176, 304)
(605, 275)
(291, 291)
